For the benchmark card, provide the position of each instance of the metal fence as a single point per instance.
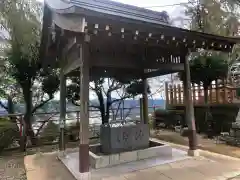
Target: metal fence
(46, 127)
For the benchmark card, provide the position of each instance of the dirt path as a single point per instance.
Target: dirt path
(12, 167)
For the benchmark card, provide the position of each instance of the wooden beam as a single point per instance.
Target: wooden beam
(120, 61)
(190, 119)
(145, 101)
(73, 63)
(62, 110)
(84, 113)
(165, 70)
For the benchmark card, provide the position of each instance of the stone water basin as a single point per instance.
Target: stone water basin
(100, 160)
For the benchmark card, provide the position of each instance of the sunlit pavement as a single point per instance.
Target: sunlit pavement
(48, 167)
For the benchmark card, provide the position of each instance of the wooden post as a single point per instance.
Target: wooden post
(167, 93)
(62, 109)
(84, 101)
(199, 94)
(78, 118)
(145, 101)
(210, 94)
(225, 85)
(171, 95)
(231, 93)
(180, 94)
(194, 93)
(141, 110)
(182, 87)
(175, 101)
(190, 119)
(217, 91)
(23, 137)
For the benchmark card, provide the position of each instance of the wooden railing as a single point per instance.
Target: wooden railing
(220, 92)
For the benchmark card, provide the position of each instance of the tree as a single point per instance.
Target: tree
(21, 20)
(216, 17)
(103, 88)
(212, 16)
(9, 90)
(204, 69)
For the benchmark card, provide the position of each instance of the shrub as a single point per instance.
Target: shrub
(9, 132)
(73, 131)
(169, 118)
(161, 112)
(222, 117)
(151, 122)
(50, 133)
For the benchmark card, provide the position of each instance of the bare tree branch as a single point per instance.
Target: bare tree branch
(41, 104)
(40, 128)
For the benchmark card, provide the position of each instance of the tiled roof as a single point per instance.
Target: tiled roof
(107, 7)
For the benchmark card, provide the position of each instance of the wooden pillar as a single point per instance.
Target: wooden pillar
(216, 91)
(145, 101)
(167, 94)
(190, 119)
(62, 109)
(84, 113)
(141, 110)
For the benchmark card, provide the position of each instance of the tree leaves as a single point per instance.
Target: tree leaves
(21, 19)
(205, 69)
(218, 17)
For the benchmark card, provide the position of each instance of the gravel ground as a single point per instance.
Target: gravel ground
(12, 162)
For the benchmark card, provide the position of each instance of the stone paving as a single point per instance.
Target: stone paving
(48, 167)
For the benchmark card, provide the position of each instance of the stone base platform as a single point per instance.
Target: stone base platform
(99, 160)
(70, 160)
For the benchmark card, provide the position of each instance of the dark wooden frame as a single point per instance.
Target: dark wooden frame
(123, 40)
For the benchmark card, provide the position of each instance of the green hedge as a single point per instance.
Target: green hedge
(222, 117)
(238, 92)
(73, 131)
(9, 132)
(168, 117)
(50, 133)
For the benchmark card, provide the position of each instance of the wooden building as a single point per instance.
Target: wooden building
(90, 38)
(219, 93)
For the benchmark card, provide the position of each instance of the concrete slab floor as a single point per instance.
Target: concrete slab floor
(71, 162)
(48, 167)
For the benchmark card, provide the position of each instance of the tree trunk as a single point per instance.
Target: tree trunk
(11, 109)
(108, 105)
(207, 111)
(206, 106)
(101, 105)
(28, 116)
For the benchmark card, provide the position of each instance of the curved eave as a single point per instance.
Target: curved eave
(130, 13)
(59, 6)
(106, 7)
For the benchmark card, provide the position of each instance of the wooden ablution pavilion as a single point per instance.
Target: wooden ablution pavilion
(109, 39)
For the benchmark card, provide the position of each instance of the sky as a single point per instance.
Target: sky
(157, 84)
